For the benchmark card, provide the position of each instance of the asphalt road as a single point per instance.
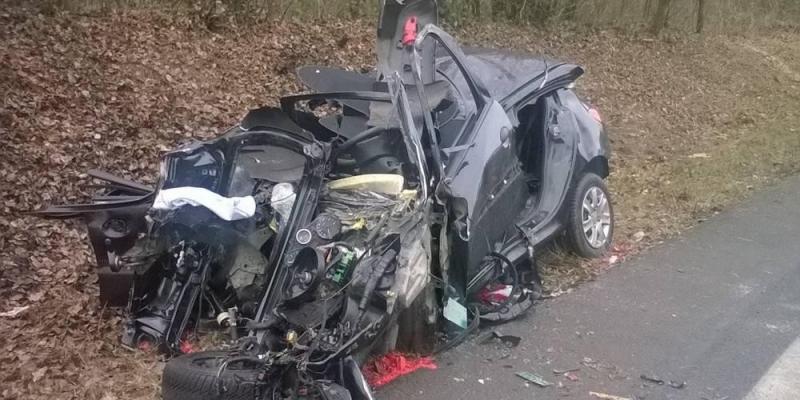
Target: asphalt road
(718, 308)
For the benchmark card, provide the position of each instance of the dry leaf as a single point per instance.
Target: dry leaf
(14, 312)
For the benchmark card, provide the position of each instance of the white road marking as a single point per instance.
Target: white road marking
(782, 381)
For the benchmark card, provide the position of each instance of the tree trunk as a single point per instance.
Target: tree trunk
(648, 6)
(571, 10)
(623, 7)
(701, 15)
(661, 17)
(475, 9)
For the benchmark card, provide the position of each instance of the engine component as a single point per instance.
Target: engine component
(303, 236)
(327, 226)
(306, 270)
(224, 319)
(341, 270)
(162, 320)
(322, 230)
(247, 269)
(373, 272)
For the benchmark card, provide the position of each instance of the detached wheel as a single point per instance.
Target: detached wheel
(590, 224)
(194, 377)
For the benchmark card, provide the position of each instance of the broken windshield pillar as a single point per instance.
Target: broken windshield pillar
(393, 56)
(408, 125)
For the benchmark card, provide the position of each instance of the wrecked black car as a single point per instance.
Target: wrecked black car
(394, 210)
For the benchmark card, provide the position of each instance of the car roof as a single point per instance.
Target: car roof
(502, 71)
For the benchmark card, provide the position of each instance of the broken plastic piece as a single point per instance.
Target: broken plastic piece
(533, 378)
(391, 366)
(571, 376)
(677, 385)
(187, 347)
(564, 371)
(658, 381)
(607, 396)
(455, 313)
(227, 208)
(508, 340)
(495, 293)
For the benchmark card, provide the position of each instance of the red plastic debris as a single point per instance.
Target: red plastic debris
(144, 345)
(186, 347)
(495, 293)
(388, 367)
(186, 344)
(410, 31)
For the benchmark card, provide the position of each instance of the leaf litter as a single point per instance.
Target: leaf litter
(114, 91)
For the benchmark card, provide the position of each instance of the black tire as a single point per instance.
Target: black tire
(575, 237)
(194, 377)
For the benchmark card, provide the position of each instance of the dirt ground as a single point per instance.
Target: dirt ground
(695, 123)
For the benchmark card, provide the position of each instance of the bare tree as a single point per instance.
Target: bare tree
(661, 18)
(623, 7)
(648, 6)
(571, 10)
(701, 16)
(475, 8)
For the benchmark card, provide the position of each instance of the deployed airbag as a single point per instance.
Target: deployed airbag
(227, 208)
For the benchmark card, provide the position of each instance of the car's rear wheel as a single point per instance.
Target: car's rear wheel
(195, 377)
(590, 217)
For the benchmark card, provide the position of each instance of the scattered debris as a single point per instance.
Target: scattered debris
(652, 379)
(564, 371)
(658, 381)
(608, 396)
(495, 293)
(388, 367)
(510, 341)
(481, 381)
(590, 363)
(571, 376)
(638, 236)
(677, 385)
(533, 378)
(700, 155)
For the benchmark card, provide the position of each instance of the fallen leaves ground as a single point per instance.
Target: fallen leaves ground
(113, 91)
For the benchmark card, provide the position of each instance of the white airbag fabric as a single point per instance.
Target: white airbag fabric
(227, 208)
